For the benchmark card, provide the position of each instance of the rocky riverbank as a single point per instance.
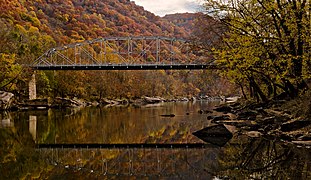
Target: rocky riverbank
(7, 102)
(275, 119)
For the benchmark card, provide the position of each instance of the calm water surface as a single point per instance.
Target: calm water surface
(240, 158)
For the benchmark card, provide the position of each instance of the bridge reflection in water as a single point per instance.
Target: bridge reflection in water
(181, 163)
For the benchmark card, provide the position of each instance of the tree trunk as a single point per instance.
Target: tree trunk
(257, 91)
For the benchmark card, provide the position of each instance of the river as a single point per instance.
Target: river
(33, 145)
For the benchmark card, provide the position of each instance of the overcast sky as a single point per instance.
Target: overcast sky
(162, 7)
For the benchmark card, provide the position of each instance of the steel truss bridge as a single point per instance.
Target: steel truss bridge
(124, 53)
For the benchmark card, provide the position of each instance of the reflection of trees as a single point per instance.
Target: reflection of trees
(18, 158)
(122, 124)
(261, 158)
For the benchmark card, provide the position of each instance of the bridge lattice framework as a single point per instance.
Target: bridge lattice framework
(124, 53)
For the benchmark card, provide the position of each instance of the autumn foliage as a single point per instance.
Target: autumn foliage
(29, 28)
(266, 46)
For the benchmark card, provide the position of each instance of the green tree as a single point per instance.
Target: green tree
(266, 47)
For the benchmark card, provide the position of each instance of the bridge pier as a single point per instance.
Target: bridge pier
(32, 87)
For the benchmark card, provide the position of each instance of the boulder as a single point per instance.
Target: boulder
(105, 101)
(153, 100)
(6, 99)
(65, 102)
(247, 115)
(219, 118)
(224, 109)
(123, 101)
(232, 99)
(201, 111)
(218, 134)
(184, 99)
(94, 103)
(267, 120)
(254, 134)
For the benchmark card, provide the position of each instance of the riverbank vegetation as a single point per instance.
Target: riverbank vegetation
(265, 46)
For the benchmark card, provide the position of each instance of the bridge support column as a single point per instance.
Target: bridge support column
(32, 87)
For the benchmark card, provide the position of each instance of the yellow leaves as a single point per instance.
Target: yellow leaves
(265, 42)
(77, 37)
(7, 58)
(21, 29)
(33, 30)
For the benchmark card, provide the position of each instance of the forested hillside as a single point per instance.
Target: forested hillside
(76, 20)
(185, 20)
(29, 28)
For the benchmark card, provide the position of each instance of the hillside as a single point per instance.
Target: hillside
(184, 20)
(76, 20)
(202, 28)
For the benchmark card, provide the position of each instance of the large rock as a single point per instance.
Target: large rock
(247, 115)
(224, 109)
(218, 134)
(220, 118)
(153, 100)
(65, 102)
(110, 102)
(6, 99)
(201, 111)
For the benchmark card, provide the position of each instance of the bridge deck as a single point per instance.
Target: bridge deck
(126, 67)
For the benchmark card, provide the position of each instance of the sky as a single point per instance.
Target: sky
(162, 7)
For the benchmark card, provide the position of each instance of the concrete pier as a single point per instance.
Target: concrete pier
(32, 87)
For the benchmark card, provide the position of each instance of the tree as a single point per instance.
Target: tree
(9, 71)
(266, 47)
